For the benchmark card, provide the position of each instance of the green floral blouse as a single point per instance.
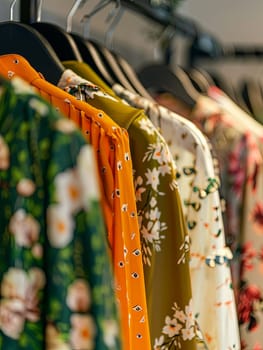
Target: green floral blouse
(55, 272)
(164, 239)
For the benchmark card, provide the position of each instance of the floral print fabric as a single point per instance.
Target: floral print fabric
(164, 239)
(111, 146)
(213, 298)
(241, 167)
(55, 272)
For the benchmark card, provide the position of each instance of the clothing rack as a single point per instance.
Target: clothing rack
(206, 46)
(164, 16)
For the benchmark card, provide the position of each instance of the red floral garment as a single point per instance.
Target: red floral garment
(241, 168)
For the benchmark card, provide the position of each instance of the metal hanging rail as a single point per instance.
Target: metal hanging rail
(163, 15)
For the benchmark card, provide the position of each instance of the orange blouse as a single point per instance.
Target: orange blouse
(111, 144)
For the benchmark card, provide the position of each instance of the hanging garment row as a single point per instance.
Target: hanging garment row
(132, 202)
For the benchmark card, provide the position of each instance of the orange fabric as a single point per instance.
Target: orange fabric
(111, 144)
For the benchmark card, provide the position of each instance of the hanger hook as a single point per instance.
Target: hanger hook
(12, 10)
(72, 11)
(116, 14)
(164, 41)
(39, 10)
(86, 18)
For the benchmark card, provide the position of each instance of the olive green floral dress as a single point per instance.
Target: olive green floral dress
(55, 272)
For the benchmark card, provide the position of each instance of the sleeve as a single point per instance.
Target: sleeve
(165, 243)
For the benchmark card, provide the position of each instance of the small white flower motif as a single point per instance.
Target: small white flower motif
(160, 153)
(180, 315)
(60, 226)
(155, 228)
(24, 228)
(110, 333)
(164, 169)
(149, 234)
(153, 178)
(21, 87)
(4, 155)
(146, 124)
(153, 202)
(126, 156)
(25, 187)
(65, 125)
(38, 106)
(155, 214)
(79, 296)
(172, 327)
(68, 191)
(188, 333)
(83, 332)
(158, 343)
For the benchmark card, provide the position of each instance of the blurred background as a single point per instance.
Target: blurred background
(221, 26)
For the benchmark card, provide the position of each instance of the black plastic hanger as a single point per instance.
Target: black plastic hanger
(93, 58)
(252, 95)
(200, 79)
(229, 89)
(60, 40)
(160, 78)
(131, 75)
(98, 56)
(112, 65)
(26, 41)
